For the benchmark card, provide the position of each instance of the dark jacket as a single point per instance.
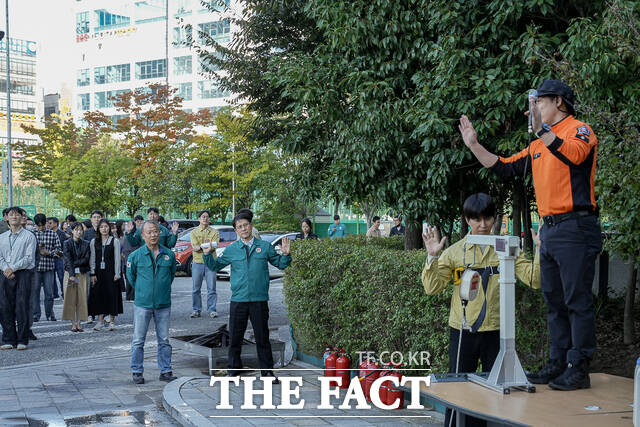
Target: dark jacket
(310, 236)
(89, 234)
(395, 232)
(76, 256)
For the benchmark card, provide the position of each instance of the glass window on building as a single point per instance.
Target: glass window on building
(18, 106)
(22, 67)
(82, 22)
(100, 75)
(214, 5)
(185, 91)
(84, 79)
(106, 20)
(183, 7)
(219, 31)
(151, 69)
(182, 65)
(181, 36)
(19, 87)
(118, 73)
(100, 100)
(209, 89)
(150, 11)
(84, 100)
(205, 66)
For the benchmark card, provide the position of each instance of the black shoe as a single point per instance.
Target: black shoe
(167, 376)
(574, 377)
(36, 319)
(52, 319)
(270, 374)
(32, 337)
(138, 378)
(554, 368)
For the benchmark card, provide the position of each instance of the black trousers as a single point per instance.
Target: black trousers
(482, 346)
(239, 314)
(15, 307)
(567, 267)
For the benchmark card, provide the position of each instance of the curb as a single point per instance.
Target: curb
(178, 409)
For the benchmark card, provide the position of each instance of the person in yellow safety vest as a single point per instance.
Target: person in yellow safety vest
(483, 313)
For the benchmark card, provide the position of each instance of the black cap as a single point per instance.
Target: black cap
(561, 89)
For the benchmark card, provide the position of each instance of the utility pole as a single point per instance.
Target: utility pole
(9, 162)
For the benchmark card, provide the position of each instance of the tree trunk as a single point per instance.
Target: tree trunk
(368, 209)
(413, 234)
(515, 214)
(526, 223)
(335, 207)
(497, 225)
(629, 332)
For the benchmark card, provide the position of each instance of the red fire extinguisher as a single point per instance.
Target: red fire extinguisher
(330, 366)
(327, 352)
(368, 374)
(343, 363)
(393, 392)
(382, 391)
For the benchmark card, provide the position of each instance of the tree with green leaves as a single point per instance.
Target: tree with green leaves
(370, 100)
(156, 133)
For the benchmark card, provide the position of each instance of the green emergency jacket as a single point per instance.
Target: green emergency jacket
(151, 278)
(249, 274)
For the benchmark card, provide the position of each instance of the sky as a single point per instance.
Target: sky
(51, 24)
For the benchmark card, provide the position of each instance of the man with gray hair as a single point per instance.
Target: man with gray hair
(151, 270)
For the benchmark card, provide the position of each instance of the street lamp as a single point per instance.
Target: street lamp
(9, 165)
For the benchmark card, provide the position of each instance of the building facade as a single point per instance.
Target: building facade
(121, 45)
(26, 101)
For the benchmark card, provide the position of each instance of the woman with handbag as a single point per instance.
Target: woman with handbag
(76, 263)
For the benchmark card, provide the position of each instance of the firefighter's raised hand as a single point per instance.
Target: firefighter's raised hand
(285, 246)
(432, 241)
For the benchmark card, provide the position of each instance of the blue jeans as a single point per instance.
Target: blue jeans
(141, 319)
(59, 263)
(198, 271)
(46, 280)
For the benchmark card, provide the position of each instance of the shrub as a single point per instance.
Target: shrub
(367, 296)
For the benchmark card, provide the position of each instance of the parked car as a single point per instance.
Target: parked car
(185, 224)
(275, 238)
(184, 252)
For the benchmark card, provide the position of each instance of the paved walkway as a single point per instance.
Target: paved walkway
(191, 401)
(93, 390)
(98, 390)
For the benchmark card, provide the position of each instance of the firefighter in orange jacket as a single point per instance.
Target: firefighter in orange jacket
(563, 162)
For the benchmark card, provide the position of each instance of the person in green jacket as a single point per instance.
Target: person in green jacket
(337, 229)
(167, 238)
(249, 258)
(151, 270)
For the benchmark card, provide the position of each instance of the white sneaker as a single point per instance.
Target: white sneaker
(112, 326)
(99, 326)
(21, 347)
(6, 347)
(213, 314)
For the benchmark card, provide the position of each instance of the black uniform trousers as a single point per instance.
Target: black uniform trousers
(483, 346)
(15, 307)
(239, 314)
(567, 267)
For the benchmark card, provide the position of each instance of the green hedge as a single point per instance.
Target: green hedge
(366, 296)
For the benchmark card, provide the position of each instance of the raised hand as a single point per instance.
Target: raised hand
(432, 241)
(285, 246)
(174, 227)
(468, 132)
